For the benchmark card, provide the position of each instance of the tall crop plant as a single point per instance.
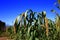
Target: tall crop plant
(36, 27)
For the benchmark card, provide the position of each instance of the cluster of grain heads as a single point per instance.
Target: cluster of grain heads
(45, 21)
(15, 24)
(46, 24)
(58, 25)
(57, 21)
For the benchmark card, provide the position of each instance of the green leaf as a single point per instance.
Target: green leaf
(36, 39)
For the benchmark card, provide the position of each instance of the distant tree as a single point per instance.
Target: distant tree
(2, 26)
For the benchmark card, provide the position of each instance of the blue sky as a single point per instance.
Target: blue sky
(10, 9)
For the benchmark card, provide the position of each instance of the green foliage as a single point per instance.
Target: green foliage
(34, 30)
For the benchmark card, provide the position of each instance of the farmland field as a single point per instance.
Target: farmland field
(31, 27)
(31, 24)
